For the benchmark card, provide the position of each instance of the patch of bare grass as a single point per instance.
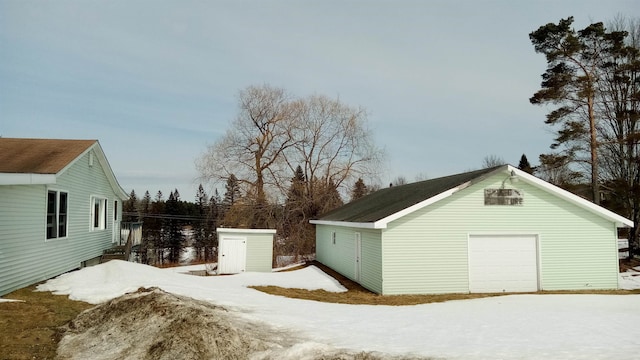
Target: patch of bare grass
(31, 329)
(357, 295)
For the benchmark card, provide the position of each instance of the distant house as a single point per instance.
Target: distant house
(60, 207)
(491, 230)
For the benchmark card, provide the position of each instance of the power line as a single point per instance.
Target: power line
(165, 216)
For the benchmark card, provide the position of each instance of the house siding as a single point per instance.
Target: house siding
(259, 252)
(341, 255)
(26, 256)
(427, 251)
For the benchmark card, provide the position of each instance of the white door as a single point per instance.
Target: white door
(503, 263)
(232, 256)
(358, 256)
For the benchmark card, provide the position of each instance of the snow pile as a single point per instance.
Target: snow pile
(630, 280)
(9, 300)
(153, 324)
(100, 283)
(506, 327)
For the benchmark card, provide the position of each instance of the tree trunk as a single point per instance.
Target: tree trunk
(595, 186)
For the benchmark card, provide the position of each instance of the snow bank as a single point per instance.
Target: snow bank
(630, 280)
(506, 327)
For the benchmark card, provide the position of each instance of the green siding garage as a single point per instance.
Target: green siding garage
(492, 230)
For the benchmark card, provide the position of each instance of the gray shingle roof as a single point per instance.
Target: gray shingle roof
(388, 201)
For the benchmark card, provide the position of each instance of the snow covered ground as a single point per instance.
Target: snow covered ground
(508, 327)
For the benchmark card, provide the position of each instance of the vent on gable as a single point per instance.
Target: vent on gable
(503, 197)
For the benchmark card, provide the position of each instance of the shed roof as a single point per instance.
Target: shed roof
(39, 156)
(376, 210)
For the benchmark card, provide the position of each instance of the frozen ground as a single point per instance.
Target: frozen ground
(508, 327)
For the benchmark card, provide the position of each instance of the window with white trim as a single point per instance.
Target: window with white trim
(98, 213)
(57, 219)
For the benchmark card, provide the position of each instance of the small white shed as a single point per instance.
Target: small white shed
(242, 250)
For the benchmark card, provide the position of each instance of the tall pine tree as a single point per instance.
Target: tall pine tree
(129, 208)
(200, 223)
(575, 61)
(232, 191)
(173, 227)
(359, 190)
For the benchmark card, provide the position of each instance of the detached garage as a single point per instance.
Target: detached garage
(242, 250)
(491, 230)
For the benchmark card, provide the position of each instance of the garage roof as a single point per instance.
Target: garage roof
(376, 210)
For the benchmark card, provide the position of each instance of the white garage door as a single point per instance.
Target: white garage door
(503, 263)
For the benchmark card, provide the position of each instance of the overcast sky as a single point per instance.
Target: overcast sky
(445, 83)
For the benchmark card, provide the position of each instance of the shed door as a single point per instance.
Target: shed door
(232, 256)
(503, 263)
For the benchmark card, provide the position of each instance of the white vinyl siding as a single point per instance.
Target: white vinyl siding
(25, 256)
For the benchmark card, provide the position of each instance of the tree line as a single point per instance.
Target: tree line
(172, 225)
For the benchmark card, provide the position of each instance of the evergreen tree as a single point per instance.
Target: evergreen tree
(359, 190)
(144, 207)
(524, 164)
(154, 227)
(129, 207)
(214, 214)
(232, 191)
(575, 63)
(173, 227)
(294, 224)
(199, 225)
(145, 204)
(296, 196)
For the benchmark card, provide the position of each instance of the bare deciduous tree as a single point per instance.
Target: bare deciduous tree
(271, 137)
(333, 144)
(490, 161)
(253, 147)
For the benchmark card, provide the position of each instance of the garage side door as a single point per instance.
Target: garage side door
(503, 263)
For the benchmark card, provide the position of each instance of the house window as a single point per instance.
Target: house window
(115, 210)
(57, 220)
(98, 213)
(333, 237)
(503, 197)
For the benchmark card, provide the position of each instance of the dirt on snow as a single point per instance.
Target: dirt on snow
(153, 324)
